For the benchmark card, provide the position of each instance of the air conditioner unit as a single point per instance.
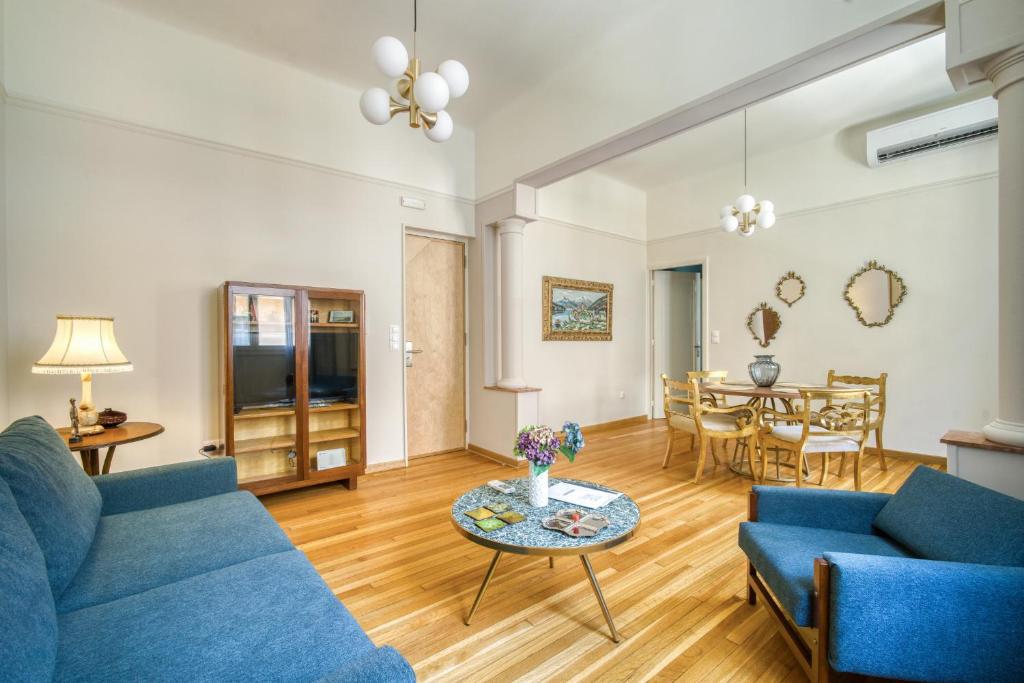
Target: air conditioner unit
(951, 127)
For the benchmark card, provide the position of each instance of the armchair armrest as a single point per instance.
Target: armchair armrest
(851, 511)
(915, 619)
(382, 664)
(166, 485)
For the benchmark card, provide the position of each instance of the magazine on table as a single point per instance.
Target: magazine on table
(584, 496)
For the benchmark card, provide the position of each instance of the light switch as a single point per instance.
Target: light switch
(716, 337)
(394, 338)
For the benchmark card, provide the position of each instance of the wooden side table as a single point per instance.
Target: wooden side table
(89, 447)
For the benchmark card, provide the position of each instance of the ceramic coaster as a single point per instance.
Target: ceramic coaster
(497, 507)
(491, 524)
(511, 517)
(480, 513)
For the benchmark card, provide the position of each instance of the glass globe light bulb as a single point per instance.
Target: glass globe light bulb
(390, 56)
(745, 203)
(726, 211)
(456, 75)
(767, 206)
(375, 104)
(730, 223)
(431, 92)
(442, 128)
(765, 220)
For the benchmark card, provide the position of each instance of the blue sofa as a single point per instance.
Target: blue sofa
(926, 584)
(163, 574)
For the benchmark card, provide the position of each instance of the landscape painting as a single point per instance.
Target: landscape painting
(577, 310)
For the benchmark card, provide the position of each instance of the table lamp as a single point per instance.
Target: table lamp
(83, 345)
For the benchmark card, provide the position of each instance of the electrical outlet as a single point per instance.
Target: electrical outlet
(217, 446)
(716, 337)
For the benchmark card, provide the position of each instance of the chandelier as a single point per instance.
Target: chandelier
(424, 96)
(747, 213)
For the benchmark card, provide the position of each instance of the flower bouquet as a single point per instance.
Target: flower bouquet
(540, 444)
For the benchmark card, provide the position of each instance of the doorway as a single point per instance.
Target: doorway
(676, 329)
(435, 345)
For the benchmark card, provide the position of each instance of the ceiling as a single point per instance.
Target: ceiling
(507, 46)
(901, 81)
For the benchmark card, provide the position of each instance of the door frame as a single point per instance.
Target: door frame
(415, 231)
(705, 357)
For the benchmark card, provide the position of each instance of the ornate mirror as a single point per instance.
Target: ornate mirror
(873, 293)
(764, 323)
(790, 288)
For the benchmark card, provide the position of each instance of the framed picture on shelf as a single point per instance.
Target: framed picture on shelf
(576, 310)
(339, 317)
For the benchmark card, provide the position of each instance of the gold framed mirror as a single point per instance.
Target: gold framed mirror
(790, 288)
(764, 323)
(874, 292)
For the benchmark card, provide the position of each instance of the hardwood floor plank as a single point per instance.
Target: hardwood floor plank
(676, 590)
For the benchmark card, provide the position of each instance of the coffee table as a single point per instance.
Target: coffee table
(530, 538)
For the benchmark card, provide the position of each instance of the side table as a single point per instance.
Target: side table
(89, 447)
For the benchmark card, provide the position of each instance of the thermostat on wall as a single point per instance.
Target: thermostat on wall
(331, 458)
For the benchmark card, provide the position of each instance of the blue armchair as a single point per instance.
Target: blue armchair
(926, 584)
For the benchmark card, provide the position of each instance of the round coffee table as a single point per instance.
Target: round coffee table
(528, 537)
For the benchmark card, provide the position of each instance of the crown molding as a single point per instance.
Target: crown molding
(591, 231)
(30, 103)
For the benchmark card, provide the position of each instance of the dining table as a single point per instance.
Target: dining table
(779, 396)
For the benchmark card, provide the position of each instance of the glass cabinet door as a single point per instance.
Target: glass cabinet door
(262, 386)
(334, 375)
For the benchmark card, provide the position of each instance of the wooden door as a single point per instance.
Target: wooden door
(435, 345)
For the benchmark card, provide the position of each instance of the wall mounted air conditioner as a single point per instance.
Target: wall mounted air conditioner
(951, 127)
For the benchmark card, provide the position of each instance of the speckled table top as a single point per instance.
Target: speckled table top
(528, 536)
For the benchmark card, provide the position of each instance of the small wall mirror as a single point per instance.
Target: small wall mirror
(764, 323)
(874, 292)
(790, 288)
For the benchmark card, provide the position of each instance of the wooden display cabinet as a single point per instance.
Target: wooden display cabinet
(294, 385)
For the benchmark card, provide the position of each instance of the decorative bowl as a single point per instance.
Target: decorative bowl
(112, 418)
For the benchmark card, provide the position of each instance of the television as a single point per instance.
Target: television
(264, 376)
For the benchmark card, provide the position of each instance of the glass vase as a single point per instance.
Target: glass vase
(538, 488)
(764, 371)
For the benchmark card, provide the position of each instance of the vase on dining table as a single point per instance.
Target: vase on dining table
(538, 488)
(764, 371)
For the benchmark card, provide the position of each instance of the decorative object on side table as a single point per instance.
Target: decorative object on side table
(110, 418)
(83, 345)
(764, 371)
(576, 310)
(576, 523)
(790, 288)
(764, 323)
(539, 445)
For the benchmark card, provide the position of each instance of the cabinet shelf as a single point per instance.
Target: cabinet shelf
(265, 443)
(333, 435)
(351, 326)
(260, 413)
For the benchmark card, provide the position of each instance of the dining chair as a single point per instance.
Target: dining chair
(686, 412)
(876, 411)
(838, 430)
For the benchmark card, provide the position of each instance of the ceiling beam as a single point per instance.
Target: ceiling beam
(915, 22)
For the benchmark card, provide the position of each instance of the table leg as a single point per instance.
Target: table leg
(600, 597)
(84, 455)
(108, 459)
(483, 586)
(94, 461)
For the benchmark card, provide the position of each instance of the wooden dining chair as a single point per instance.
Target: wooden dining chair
(808, 431)
(876, 411)
(686, 412)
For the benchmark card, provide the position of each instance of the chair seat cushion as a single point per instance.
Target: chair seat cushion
(784, 557)
(817, 441)
(268, 619)
(58, 500)
(942, 517)
(712, 423)
(136, 551)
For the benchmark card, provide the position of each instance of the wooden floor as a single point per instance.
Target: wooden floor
(676, 590)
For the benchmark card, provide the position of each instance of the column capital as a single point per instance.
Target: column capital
(512, 224)
(1006, 69)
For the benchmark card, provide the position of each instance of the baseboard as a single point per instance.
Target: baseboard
(507, 460)
(385, 466)
(907, 455)
(616, 424)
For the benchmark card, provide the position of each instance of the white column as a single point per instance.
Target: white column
(1007, 73)
(510, 234)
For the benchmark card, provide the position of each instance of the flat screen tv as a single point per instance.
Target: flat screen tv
(264, 376)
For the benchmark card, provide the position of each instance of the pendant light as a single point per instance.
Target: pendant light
(747, 213)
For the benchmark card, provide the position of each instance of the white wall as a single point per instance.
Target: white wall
(598, 202)
(98, 58)
(144, 227)
(939, 349)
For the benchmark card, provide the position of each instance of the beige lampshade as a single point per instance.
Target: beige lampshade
(82, 344)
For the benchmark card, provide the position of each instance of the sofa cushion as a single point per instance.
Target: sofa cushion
(57, 499)
(784, 557)
(136, 551)
(268, 619)
(941, 517)
(28, 648)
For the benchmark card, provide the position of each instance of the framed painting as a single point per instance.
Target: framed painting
(577, 310)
